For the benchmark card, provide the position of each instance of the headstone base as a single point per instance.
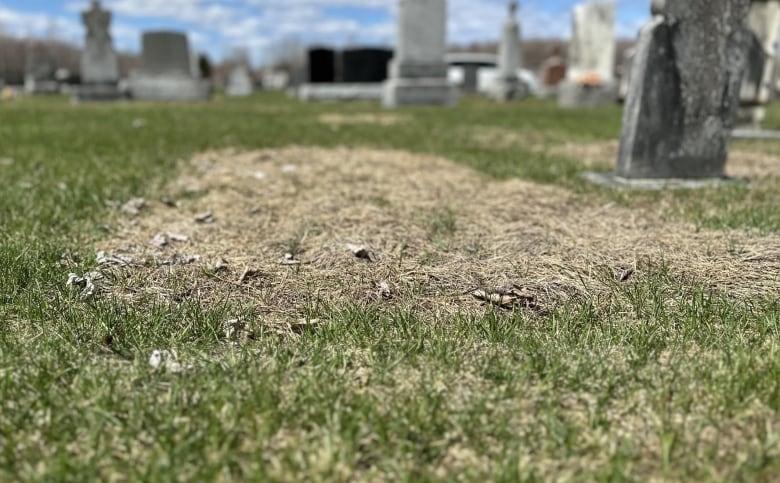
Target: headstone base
(169, 88)
(571, 94)
(340, 92)
(508, 90)
(754, 134)
(38, 87)
(751, 116)
(239, 91)
(99, 92)
(610, 180)
(418, 92)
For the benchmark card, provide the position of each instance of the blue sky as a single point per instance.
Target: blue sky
(220, 26)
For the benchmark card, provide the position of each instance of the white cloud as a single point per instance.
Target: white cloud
(38, 24)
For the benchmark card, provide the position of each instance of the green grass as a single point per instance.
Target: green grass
(662, 378)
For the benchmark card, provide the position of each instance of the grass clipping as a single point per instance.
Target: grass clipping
(285, 231)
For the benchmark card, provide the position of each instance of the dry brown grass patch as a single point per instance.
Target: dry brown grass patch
(436, 231)
(383, 119)
(491, 137)
(742, 163)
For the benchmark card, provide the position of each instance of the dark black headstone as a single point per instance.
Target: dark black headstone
(365, 65)
(322, 65)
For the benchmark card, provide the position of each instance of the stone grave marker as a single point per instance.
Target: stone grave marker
(99, 62)
(418, 71)
(365, 65)
(166, 71)
(507, 84)
(684, 94)
(590, 74)
(756, 92)
(240, 83)
(350, 75)
(552, 73)
(322, 65)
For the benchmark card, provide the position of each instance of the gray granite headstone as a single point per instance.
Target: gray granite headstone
(239, 82)
(418, 71)
(99, 62)
(590, 75)
(684, 92)
(166, 71)
(756, 92)
(507, 83)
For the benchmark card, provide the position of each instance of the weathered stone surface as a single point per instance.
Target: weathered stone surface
(590, 76)
(418, 72)
(684, 91)
(507, 84)
(625, 74)
(166, 70)
(592, 50)
(239, 82)
(99, 63)
(756, 92)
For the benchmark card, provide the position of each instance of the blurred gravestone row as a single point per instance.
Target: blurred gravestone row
(701, 72)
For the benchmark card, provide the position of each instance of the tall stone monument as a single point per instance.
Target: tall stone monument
(508, 85)
(756, 92)
(418, 71)
(684, 93)
(166, 72)
(590, 76)
(99, 62)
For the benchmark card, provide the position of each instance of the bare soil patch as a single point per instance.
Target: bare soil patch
(384, 119)
(293, 228)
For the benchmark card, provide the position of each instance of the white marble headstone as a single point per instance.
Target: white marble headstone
(592, 48)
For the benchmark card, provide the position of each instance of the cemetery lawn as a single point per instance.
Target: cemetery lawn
(636, 335)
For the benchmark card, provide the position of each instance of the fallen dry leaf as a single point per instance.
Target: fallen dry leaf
(205, 218)
(360, 251)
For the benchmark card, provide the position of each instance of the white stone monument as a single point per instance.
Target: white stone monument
(99, 62)
(418, 71)
(239, 82)
(590, 75)
(756, 92)
(507, 84)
